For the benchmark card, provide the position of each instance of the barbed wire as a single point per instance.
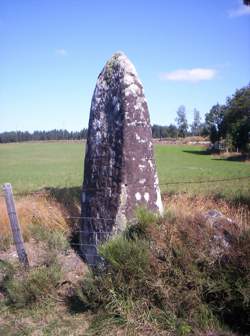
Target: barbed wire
(50, 192)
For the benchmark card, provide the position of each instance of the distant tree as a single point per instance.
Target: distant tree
(214, 122)
(247, 2)
(196, 125)
(160, 132)
(172, 131)
(237, 119)
(181, 121)
(156, 131)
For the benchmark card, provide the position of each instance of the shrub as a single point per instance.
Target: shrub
(140, 229)
(24, 287)
(56, 239)
(5, 242)
(129, 257)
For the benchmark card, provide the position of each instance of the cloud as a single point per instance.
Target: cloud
(240, 10)
(61, 52)
(190, 75)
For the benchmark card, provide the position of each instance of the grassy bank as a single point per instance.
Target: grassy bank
(163, 276)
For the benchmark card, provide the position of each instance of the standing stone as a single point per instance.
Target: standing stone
(119, 172)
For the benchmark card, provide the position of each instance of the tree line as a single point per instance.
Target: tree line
(20, 136)
(227, 124)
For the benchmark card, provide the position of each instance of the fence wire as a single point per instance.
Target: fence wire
(42, 193)
(90, 239)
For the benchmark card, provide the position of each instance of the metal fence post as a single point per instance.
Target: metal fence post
(15, 227)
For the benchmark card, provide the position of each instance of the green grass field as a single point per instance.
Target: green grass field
(33, 166)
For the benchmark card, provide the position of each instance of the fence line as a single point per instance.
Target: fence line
(42, 193)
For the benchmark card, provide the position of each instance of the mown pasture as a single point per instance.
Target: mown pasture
(181, 168)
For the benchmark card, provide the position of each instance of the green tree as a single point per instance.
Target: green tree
(196, 125)
(237, 119)
(181, 121)
(215, 122)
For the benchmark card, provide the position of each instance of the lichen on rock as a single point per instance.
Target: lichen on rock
(120, 173)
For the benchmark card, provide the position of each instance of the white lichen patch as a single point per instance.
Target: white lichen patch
(121, 219)
(98, 137)
(150, 163)
(138, 196)
(141, 167)
(158, 202)
(133, 89)
(128, 79)
(139, 103)
(114, 100)
(146, 196)
(117, 108)
(96, 123)
(142, 181)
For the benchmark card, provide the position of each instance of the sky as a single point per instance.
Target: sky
(193, 53)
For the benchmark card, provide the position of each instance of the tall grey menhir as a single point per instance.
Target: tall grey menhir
(119, 172)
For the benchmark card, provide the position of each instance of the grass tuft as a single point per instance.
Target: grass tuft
(26, 287)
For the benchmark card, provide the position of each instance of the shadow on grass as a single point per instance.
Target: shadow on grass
(69, 198)
(234, 158)
(235, 200)
(198, 152)
(75, 305)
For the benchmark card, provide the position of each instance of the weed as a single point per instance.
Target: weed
(5, 242)
(139, 229)
(25, 287)
(54, 238)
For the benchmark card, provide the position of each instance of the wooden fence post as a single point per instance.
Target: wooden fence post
(15, 227)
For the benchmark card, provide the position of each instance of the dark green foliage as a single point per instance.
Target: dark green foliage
(231, 121)
(214, 122)
(237, 118)
(139, 230)
(20, 136)
(25, 287)
(159, 132)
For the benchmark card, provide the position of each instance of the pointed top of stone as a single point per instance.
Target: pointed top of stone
(119, 60)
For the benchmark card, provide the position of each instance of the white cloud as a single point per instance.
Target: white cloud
(240, 10)
(61, 52)
(190, 75)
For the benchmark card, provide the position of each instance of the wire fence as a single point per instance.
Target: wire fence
(165, 184)
(92, 231)
(85, 238)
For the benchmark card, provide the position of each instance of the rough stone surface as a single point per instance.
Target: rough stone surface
(119, 173)
(221, 239)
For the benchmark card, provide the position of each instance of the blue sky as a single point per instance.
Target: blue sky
(194, 53)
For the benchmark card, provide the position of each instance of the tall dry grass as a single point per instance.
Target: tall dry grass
(186, 205)
(34, 210)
